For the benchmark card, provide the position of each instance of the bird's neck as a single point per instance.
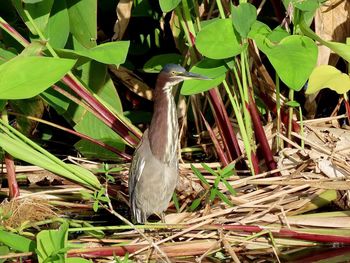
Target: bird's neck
(163, 131)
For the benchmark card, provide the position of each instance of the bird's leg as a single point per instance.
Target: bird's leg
(162, 216)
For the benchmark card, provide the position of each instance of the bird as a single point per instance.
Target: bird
(154, 168)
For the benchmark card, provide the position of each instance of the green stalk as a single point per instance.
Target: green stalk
(278, 111)
(16, 135)
(240, 121)
(301, 127)
(221, 9)
(290, 111)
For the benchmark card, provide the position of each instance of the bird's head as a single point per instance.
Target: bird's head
(173, 74)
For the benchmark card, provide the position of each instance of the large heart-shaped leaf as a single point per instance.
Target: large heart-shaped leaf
(214, 69)
(326, 76)
(293, 58)
(168, 5)
(243, 17)
(25, 77)
(218, 40)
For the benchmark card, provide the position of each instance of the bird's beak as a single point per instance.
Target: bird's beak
(190, 75)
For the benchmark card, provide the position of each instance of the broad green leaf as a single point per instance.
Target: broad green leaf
(23, 148)
(304, 5)
(243, 17)
(5, 55)
(57, 29)
(39, 11)
(293, 58)
(95, 75)
(83, 22)
(17, 242)
(107, 53)
(52, 245)
(218, 40)
(4, 250)
(277, 34)
(25, 77)
(156, 63)
(326, 76)
(168, 5)
(214, 69)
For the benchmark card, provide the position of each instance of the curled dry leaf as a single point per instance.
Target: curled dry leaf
(124, 14)
(132, 81)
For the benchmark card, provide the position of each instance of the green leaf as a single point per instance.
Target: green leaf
(293, 58)
(223, 198)
(40, 13)
(57, 30)
(326, 76)
(243, 17)
(25, 77)
(51, 244)
(6, 55)
(341, 49)
(218, 40)
(195, 204)
(206, 167)
(83, 21)
(277, 34)
(176, 202)
(77, 260)
(293, 104)
(214, 69)
(107, 53)
(229, 187)
(168, 5)
(17, 242)
(156, 63)
(95, 76)
(199, 175)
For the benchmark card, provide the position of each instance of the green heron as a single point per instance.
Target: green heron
(154, 168)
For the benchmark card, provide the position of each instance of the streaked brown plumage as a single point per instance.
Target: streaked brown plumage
(154, 169)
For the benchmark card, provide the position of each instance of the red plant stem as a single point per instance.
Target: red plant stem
(218, 149)
(108, 117)
(284, 233)
(260, 134)
(11, 176)
(347, 107)
(124, 155)
(104, 114)
(224, 124)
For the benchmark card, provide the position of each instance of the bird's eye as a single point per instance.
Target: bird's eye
(173, 73)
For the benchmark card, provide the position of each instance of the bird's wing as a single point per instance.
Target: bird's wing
(137, 165)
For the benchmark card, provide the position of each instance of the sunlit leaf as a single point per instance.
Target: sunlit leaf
(25, 77)
(218, 40)
(214, 69)
(326, 76)
(243, 17)
(168, 5)
(17, 242)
